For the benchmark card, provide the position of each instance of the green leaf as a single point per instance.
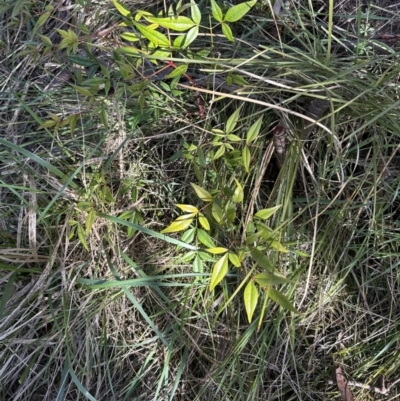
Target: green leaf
(188, 235)
(219, 153)
(128, 50)
(83, 91)
(129, 36)
(278, 246)
(179, 24)
(42, 19)
(188, 208)
(234, 138)
(217, 250)
(184, 41)
(217, 212)
(267, 279)
(195, 12)
(82, 236)
(227, 31)
(250, 298)
(204, 222)
(155, 37)
(216, 11)
(188, 256)
(261, 260)
(46, 40)
(254, 130)
(203, 194)
(198, 265)
(281, 299)
(239, 80)
(232, 121)
(205, 239)
(201, 158)
(147, 231)
(234, 259)
(121, 9)
(230, 213)
(90, 218)
(246, 157)
(238, 194)
(266, 213)
(235, 13)
(185, 217)
(206, 257)
(178, 71)
(180, 224)
(219, 271)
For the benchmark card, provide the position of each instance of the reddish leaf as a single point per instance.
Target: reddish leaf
(343, 387)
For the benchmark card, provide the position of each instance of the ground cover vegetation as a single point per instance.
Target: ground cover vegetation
(199, 200)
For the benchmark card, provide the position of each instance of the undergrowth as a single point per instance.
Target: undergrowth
(103, 133)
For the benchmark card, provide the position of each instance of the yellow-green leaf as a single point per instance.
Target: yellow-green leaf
(195, 12)
(46, 40)
(281, 299)
(220, 152)
(42, 19)
(216, 11)
(203, 194)
(178, 225)
(261, 260)
(232, 121)
(217, 250)
(90, 218)
(230, 213)
(185, 217)
(83, 91)
(235, 13)
(253, 238)
(217, 212)
(266, 213)
(178, 71)
(121, 8)
(205, 239)
(179, 24)
(204, 222)
(188, 208)
(141, 13)
(219, 271)
(239, 80)
(183, 41)
(128, 50)
(250, 298)
(198, 265)
(227, 31)
(238, 194)
(188, 256)
(278, 246)
(234, 259)
(72, 122)
(234, 138)
(246, 157)
(155, 37)
(267, 279)
(82, 236)
(188, 235)
(130, 37)
(254, 130)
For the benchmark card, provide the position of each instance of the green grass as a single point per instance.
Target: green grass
(108, 308)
